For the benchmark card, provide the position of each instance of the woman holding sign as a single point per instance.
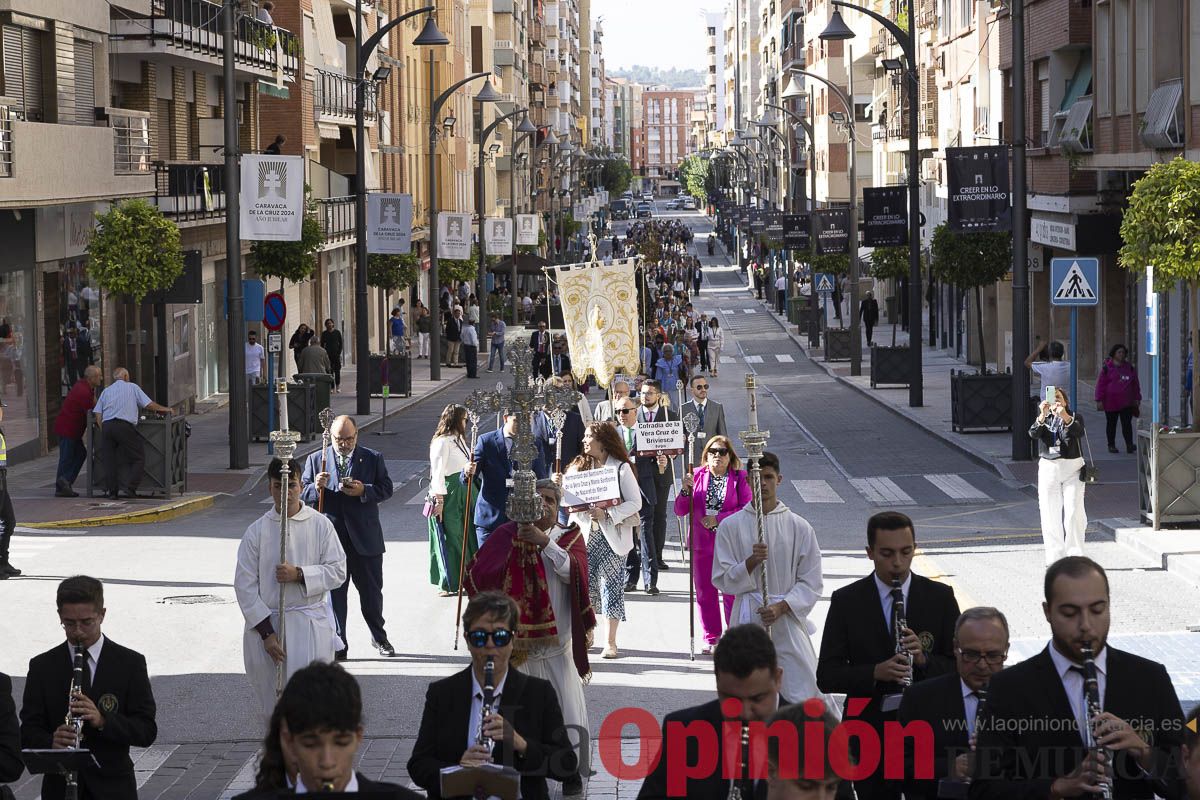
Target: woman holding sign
(609, 523)
(711, 493)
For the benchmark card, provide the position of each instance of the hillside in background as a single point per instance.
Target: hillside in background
(673, 77)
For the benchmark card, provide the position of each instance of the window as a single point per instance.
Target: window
(966, 13)
(23, 69)
(1194, 48)
(1121, 55)
(85, 83)
(1142, 36)
(1043, 99)
(1101, 81)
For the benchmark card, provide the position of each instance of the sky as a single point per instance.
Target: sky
(655, 33)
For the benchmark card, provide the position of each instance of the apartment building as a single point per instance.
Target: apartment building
(714, 79)
(600, 136)
(666, 128)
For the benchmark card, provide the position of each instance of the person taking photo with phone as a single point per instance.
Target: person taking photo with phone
(1060, 437)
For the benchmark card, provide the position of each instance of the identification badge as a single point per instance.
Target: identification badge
(701, 434)
(1054, 452)
(509, 483)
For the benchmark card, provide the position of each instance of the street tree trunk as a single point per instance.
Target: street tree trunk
(1195, 344)
(979, 318)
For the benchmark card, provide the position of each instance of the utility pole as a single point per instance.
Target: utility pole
(1020, 265)
(239, 426)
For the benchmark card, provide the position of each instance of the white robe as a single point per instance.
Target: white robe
(556, 662)
(793, 575)
(310, 633)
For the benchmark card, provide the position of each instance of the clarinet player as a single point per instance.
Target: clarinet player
(116, 703)
(1032, 734)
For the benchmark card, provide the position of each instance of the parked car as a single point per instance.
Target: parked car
(689, 203)
(644, 211)
(647, 197)
(620, 209)
(674, 204)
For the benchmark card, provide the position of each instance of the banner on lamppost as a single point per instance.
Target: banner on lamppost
(528, 227)
(579, 212)
(774, 226)
(743, 216)
(498, 236)
(886, 212)
(454, 235)
(389, 223)
(979, 189)
(272, 198)
(795, 232)
(758, 220)
(833, 231)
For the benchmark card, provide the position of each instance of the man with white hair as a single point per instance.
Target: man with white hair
(604, 409)
(123, 456)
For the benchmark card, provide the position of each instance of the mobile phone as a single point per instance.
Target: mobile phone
(1051, 394)
(346, 481)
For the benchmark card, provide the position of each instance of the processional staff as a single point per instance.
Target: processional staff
(755, 441)
(285, 441)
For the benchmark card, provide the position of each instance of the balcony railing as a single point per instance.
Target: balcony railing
(926, 13)
(131, 140)
(334, 96)
(537, 73)
(6, 140)
(337, 216)
(196, 25)
(188, 190)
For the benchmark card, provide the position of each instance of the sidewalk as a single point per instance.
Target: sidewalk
(32, 483)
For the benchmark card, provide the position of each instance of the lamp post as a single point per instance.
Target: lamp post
(430, 36)
(852, 145)
(792, 193)
(481, 279)
(486, 95)
(526, 129)
(837, 30)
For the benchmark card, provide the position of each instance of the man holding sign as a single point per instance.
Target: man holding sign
(659, 434)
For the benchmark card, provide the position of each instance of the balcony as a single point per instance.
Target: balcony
(333, 98)
(926, 13)
(879, 43)
(337, 218)
(537, 32)
(192, 30)
(42, 163)
(187, 191)
(537, 74)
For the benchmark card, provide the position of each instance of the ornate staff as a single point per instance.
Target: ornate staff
(285, 441)
(326, 420)
(683, 548)
(477, 404)
(558, 420)
(755, 441)
(690, 423)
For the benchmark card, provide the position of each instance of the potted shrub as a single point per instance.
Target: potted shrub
(392, 273)
(979, 401)
(837, 340)
(889, 363)
(1161, 227)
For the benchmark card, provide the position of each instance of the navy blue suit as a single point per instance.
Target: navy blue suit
(494, 468)
(356, 520)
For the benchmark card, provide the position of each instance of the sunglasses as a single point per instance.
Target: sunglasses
(500, 637)
(718, 451)
(701, 386)
(626, 410)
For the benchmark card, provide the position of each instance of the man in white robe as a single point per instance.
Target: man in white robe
(792, 558)
(315, 565)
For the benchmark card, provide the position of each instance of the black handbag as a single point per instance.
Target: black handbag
(1089, 472)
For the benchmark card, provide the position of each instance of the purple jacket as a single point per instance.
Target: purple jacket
(1117, 387)
(737, 495)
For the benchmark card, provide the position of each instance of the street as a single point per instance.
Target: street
(844, 456)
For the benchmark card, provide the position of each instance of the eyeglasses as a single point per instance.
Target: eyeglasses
(500, 637)
(975, 656)
(349, 438)
(718, 451)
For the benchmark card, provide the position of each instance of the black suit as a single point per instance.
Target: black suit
(656, 488)
(1019, 755)
(120, 683)
(857, 637)
(364, 785)
(572, 440)
(938, 701)
(541, 361)
(11, 766)
(529, 704)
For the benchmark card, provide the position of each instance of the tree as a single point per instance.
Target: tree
(461, 270)
(135, 250)
(1162, 227)
(616, 176)
(889, 263)
(393, 273)
(971, 261)
(290, 261)
(694, 174)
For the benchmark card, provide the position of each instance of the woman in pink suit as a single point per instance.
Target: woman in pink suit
(715, 490)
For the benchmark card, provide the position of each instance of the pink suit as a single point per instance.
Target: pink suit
(737, 495)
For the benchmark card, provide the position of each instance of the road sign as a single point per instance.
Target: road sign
(824, 282)
(274, 311)
(1075, 281)
(274, 342)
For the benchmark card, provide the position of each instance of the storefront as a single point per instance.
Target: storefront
(19, 336)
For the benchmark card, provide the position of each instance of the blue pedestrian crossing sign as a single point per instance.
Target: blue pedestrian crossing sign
(1074, 281)
(824, 281)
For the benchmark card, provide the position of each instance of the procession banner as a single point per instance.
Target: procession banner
(833, 231)
(528, 227)
(600, 314)
(272, 198)
(886, 212)
(454, 235)
(659, 438)
(389, 223)
(591, 488)
(774, 228)
(979, 189)
(796, 232)
(498, 237)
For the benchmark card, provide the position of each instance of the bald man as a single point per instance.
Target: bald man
(354, 480)
(117, 412)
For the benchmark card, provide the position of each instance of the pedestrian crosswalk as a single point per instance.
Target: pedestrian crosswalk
(907, 490)
(883, 491)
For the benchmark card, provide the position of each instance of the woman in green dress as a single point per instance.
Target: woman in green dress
(454, 505)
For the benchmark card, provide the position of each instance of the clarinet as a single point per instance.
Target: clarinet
(735, 790)
(954, 788)
(73, 720)
(1091, 688)
(901, 624)
(489, 696)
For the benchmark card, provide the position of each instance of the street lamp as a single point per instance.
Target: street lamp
(526, 129)
(837, 30)
(852, 143)
(481, 280)
(430, 36)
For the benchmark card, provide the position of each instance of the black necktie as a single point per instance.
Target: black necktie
(87, 672)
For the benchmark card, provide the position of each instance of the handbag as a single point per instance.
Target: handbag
(1089, 472)
(430, 508)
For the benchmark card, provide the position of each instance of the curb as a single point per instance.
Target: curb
(163, 513)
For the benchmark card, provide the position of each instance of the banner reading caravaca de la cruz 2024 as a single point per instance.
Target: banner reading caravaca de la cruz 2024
(271, 198)
(979, 189)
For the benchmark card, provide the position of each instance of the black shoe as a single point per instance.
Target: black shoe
(385, 648)
(67, 492)
(631, 586)
(572, 786)
(8, 570)
(340, 655)
(1112, 448)
(663, 566)
(132, 495)
(1129, 448)
(653, 590)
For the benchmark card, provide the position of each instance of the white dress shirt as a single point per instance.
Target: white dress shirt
(885, 597)
(93, 656)
(476, 719)
(970, 706)
(1072, 682)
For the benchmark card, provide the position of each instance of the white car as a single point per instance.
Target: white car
(689, 203)
(647, 197)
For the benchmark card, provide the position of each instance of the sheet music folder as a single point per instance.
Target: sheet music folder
(53, 762)
(495, 780)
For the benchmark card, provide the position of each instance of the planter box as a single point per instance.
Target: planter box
(837, 344)
(804, 316)
(889, 366)
(302, 411)
(1171, 466)
(399, 372)
(164, 442)
(980, 402)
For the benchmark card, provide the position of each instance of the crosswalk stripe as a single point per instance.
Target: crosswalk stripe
(728, 359)
(754, 359)
(956, 486)
(817, 492)
(749, 311)
(417, 499)
(726, 310)
(882, 490)
(784, 358)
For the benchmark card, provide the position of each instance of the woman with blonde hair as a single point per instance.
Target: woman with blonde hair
(609, 530)
(450, 514)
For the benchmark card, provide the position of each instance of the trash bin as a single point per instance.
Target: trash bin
(322, 383)
(302, 411)
(164, 443)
